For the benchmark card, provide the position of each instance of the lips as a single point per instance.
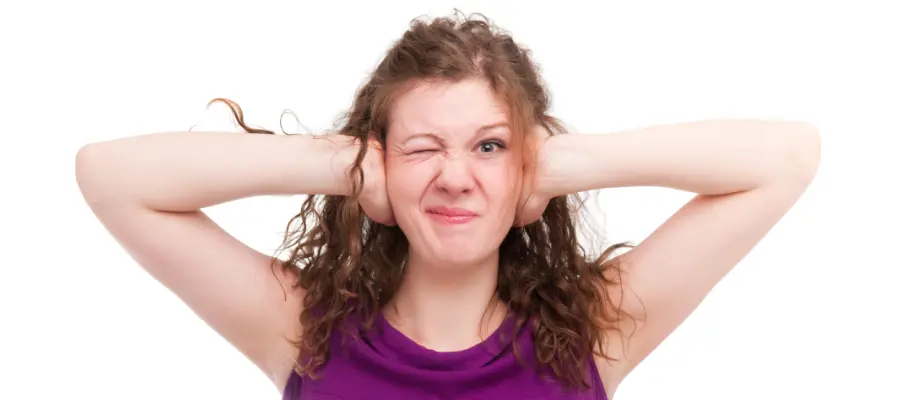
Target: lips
(450, 215)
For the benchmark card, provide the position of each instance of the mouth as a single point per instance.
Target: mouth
(450, 215)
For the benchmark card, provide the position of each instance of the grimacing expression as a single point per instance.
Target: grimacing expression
(451, 176)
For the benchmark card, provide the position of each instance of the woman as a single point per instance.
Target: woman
(436, 256)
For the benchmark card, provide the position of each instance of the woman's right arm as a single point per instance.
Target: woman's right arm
(148, 191)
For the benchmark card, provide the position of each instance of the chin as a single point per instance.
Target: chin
(450, 246)
(461, 253)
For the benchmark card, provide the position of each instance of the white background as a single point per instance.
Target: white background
(810, 313)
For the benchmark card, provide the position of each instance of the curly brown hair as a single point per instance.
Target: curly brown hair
(349, 265)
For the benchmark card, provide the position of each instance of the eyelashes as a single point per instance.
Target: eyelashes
(498, 145)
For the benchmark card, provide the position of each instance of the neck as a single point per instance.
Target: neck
(447, 308)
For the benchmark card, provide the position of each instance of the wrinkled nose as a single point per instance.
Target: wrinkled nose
(455, 176)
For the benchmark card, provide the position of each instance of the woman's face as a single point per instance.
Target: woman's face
(451, 178)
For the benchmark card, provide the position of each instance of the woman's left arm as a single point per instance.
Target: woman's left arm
(747, 174)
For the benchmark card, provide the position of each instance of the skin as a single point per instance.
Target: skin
(448, 147)
(746, 173)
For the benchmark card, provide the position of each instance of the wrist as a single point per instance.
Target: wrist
(325, 162)
(344, 150)
(557, 168)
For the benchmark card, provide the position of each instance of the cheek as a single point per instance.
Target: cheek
(501, 185)
(406, 183)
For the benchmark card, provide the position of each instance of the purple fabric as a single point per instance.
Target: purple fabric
(385, 364)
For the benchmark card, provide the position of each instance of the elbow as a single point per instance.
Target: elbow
(89, 169)
(802, 148)
(85, 160)
(794, 153)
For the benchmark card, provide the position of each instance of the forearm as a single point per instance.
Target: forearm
(706, 157)
(187, 171)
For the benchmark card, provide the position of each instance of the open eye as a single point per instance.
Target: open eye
(490, 146)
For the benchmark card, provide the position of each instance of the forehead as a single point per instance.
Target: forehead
(446, 108)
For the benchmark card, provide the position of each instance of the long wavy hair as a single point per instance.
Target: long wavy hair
(349, 265)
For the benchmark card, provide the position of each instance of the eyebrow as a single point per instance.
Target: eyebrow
(492, 126)
(479, 131)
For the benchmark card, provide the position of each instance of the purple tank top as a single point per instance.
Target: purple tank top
(385, 364)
